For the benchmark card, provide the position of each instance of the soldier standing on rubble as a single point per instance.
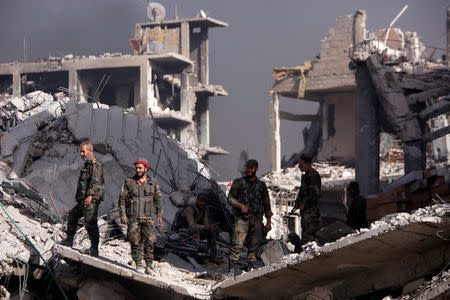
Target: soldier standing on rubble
(356, 207)
(139, 198)
(308, 199)
(90, 192)
(194, 219)
(250, 200)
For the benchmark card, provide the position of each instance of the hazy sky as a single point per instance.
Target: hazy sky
(262, 35)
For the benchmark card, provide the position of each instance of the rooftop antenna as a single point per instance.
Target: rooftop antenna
(155, 12)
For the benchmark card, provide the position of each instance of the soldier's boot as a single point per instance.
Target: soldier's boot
(68, 241)
(149, 268)
(140, 267)
(295, 240)
(250, 266)
(234, 269)
(93, 251)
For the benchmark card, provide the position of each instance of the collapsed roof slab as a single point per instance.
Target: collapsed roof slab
(353, 266)
(149, 285)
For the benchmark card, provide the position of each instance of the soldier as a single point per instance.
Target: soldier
(139, 198)
(89, 194)
(194, 218)
(308, 199)
(250, 200)
(356, 204)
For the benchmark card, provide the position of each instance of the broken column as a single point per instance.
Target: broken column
(275, 145)
(367, 127)
(367, 133)
(399, 118)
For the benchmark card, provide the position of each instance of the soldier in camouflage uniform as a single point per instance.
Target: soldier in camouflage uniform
(250, 200)
(90, 192)
(139, 198)
(194, 218)
(308, 200)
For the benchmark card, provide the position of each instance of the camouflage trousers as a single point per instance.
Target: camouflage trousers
(249, 231)
(310, 225)
(141, 234)
(90, 220)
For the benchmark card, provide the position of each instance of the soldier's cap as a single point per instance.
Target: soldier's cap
(143, 161)
(353, 186)
(251, 163)
(202, 196)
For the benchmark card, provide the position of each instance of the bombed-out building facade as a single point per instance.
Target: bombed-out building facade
(167, 73)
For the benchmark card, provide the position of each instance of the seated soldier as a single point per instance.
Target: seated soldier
(194, 218)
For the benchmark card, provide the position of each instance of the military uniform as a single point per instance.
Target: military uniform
(138, 201)
(255, 196)
(90, 183)
(356, 214)
(195, 219)
(309, 196)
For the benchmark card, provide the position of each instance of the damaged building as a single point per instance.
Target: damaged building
(168, 73)
(154, 104)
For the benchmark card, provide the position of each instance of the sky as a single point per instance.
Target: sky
(261, 35)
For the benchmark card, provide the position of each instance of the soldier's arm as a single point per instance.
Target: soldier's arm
(233, 195)
(189, 213)
(157, 200)
(96, 184)
(123, 199)
(315, 186)
(266, 201)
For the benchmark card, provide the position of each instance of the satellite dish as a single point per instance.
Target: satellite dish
(156, 12)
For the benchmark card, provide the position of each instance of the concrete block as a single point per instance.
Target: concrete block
(272, 252)
(19, 158)
(115, 122)
(71, 107)
(146, 133)
(8, 143)
(130, 126)
(99, 129)
(17, 103)
(80, 123)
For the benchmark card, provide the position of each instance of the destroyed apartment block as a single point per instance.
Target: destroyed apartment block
(168, 73)
(355, 75)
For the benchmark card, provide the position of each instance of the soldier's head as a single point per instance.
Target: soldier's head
(304, 162)
(353, 188)
(251, 167)
(86, 151)
(202, 198)
(141, 165)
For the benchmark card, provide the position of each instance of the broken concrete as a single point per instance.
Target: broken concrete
(385, 255)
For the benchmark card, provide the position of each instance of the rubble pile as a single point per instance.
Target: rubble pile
(438, 286)
(332, 175)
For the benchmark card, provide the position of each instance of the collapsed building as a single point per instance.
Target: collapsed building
(408, 107)
(402, 255)
(168, 73)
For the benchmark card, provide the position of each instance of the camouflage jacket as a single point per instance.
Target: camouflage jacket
(196, 218)
(254, 195)
(309, 193)
(138, 200)
(91, 181)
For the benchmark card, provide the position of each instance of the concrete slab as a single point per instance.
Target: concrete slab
(153, 284)
(115, 122)
(362, 256)
(80, 123)
(130, 126)
(99, 129)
